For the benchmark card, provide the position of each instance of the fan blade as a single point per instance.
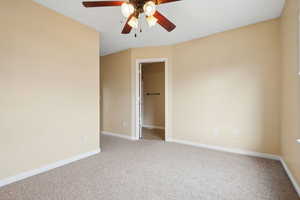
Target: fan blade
(164, 22)
(165, 1)
(127, 28)
(101, 3)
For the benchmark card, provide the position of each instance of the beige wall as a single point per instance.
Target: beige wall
(49, 83)
(290, 126)
(224, 89)
(153, 105)
(116, 92)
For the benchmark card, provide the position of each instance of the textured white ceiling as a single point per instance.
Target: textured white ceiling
(194, 19)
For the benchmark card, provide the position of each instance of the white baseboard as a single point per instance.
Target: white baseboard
(118, 135)
(45, 168)
(230, 150)
(290, 175)
(153, 127)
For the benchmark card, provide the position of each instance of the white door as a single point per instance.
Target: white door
(141, 106)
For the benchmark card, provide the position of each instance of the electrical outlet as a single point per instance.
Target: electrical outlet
(216, 132)
(124, 124)
(84, 139)
(236, 132)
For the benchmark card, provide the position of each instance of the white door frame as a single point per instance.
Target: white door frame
(136, 102)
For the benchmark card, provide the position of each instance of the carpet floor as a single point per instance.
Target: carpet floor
(154, 170)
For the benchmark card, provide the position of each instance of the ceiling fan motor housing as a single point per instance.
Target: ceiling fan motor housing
(139, 4)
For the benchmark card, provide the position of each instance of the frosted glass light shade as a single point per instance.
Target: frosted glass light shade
(133, 22)
(151, 21)
(127, 9)
(149, 8)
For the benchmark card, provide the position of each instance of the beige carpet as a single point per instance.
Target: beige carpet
(154, 170)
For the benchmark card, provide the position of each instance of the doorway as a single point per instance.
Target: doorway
(151, 99)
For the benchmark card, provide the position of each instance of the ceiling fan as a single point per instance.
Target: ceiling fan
(133, 8)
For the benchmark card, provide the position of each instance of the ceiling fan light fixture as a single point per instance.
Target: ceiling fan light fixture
(133, 9)
(127, 9)
(149, 8)
(151, 20)
(134, 22)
